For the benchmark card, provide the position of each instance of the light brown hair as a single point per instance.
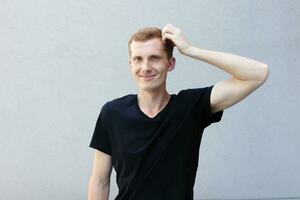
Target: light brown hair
(148, 33)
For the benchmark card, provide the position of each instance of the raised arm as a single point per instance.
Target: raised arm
(247, 74)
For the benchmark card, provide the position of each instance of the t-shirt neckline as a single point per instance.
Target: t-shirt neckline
(143, 115)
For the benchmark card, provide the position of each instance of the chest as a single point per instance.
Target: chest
(133, 135)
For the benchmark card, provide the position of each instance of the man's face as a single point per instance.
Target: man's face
(149, 64)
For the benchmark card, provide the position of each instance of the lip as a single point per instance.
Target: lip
(148, 77)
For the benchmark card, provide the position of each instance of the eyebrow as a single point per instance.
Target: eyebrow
(152, 55)
(136, 57)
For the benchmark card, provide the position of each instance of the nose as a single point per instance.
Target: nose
(146, 66)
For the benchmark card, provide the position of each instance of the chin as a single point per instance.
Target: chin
(149, 87)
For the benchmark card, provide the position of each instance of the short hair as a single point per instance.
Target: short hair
(148, 33)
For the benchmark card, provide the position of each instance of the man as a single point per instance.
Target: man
(152, 138)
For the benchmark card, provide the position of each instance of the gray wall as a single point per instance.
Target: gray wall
(60, 61)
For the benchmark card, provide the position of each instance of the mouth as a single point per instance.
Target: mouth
(148, 77)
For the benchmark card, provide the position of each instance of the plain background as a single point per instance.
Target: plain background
(60, 61)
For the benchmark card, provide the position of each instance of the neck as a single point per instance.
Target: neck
(153, 101)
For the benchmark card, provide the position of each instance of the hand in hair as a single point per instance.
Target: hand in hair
(177, 37)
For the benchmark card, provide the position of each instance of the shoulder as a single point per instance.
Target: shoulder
(195, 91)
(111, 107)
(119, 103)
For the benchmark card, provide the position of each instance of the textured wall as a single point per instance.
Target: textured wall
(60, 61)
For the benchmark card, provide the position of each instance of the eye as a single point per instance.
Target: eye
(154, 58)
(136, 59)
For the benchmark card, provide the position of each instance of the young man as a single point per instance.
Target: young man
(152, 138)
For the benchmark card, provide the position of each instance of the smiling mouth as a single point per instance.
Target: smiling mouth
(148, 76)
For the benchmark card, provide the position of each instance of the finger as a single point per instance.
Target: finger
(170, 26)
(166, 30)
(166, 33)
(167, 36)
(173, 28)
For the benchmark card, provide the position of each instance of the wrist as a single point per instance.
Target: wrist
(197, 53)
(189, 51)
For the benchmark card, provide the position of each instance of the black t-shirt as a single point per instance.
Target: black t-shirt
(155, 158)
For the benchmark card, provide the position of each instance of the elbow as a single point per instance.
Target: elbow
(264, 74)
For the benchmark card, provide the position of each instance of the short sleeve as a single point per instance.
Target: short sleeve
(100, 139)
(208, 116)
(201, 102)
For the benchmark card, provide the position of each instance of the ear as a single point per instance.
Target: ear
(171, 64)
(129, 62)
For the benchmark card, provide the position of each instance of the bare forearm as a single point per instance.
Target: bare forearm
(240, 67)
(97, 191)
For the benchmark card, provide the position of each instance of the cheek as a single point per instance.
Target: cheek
(134, 69)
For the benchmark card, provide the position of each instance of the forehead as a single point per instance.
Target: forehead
(153, 46)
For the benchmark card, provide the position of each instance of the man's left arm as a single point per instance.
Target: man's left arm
(247, 74)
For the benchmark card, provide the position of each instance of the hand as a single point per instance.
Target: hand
(177, 37)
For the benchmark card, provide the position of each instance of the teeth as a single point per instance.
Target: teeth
(149, 75)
